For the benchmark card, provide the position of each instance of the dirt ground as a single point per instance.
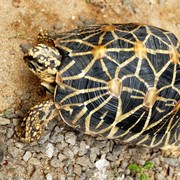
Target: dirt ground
(21, 21)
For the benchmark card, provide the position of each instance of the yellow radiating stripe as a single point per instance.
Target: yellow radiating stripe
(74, 54)
(67, 67)
(117, 72)
(101, 38)
(114, 129)
(163, 69)
(120, 49)
(138, 68)
(143, 140)
(83, 72)
(81, 91)
(80, 41)
(128, 130)
(174, 75)
(88, 118)
(105, 68)
(79, 115)
(102, 119)
(143, 129)
(155, 51)
(114, 35)
(95, 98)
(91, 35)
(157, 122)
(96, 79)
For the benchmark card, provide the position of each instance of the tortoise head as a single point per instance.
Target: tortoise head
(43, 61)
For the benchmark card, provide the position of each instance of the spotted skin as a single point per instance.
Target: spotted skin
(33, 124)
(120, 81)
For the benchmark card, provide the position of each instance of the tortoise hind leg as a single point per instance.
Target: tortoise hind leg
(36, 119)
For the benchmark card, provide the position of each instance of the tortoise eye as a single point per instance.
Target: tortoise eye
(31, 65)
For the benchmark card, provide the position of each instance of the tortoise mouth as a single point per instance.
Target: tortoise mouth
(29, 61)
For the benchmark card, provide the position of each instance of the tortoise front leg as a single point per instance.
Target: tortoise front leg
(36, 119)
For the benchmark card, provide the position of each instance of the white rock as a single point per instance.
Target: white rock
(101, 164)
(26, 156)
(49, 176)
(49, 150)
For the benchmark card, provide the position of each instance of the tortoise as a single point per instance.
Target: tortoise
(120, 81)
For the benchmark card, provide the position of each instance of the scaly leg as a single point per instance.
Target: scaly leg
(36, 119)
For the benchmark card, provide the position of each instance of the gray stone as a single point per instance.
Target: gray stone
(82, 148)
(93, 155)
(14, 151)
(61, 157)
(49, 176)
(172, 161)
(49, 150)
(4, 121)
(70, 138)
(34, 161)
(10, 132)
(77, 169)
(124, 164)
(44, 138)
(138, 160)
(68, 153)
(55, 162)
(37, 175)
(83, 161)
(26, 156)
(156, 161)
(159, 176)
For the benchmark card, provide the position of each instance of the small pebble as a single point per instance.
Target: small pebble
(172, 162)
(49, 176)
(159, 176)
(10, 132)
(77, 169)
(61, 157)
(49, 150)
(14, 151)
(55, 162)
(34, 161)
(26, 156)
(4, 121)
(70, 138)
(83, 161)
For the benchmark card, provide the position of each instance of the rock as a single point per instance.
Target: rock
(172, 162)
(82, 148)
(138, 160)
(70, 138)
(124, 165)
(49, 150)
(61, 157)
(68, 153)
(26, 156)
(44, 138)
(34, 161)
(37, 175)
(77, 169)
(159, 176)
(55, 162)
(14, 151)
(49, 176)
(10, 132)
(94, 152)
(4, 121)
(83, 161)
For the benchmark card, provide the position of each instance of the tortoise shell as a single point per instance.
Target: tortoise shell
(120, 81)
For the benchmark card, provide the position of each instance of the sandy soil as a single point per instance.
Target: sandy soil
(21, 21)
